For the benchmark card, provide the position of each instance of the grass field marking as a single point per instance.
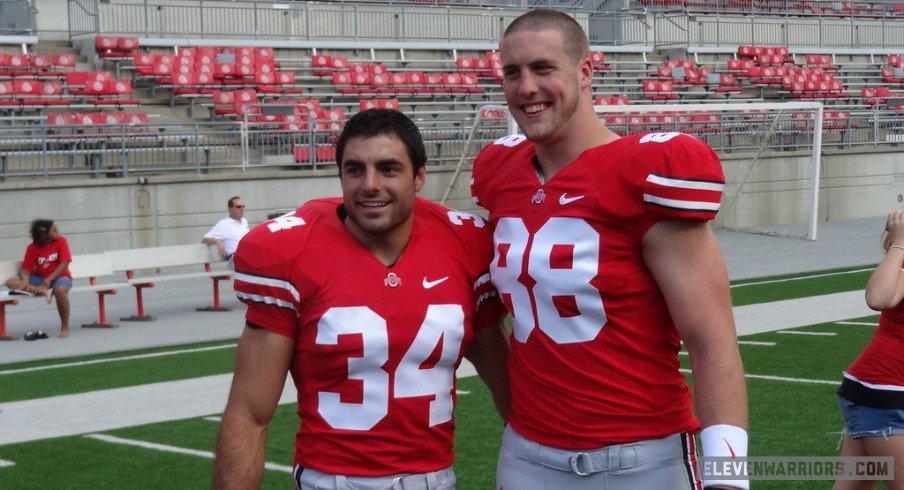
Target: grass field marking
(865, 324)
(6, 464)
(756, 342)
(215, 418)
(799, 278)
(175, 449)
(798, 332)
(116, 359)
(782, 378)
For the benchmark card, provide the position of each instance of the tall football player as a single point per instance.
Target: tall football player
(369, 301)
(607, 263)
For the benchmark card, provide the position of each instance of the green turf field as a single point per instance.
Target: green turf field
(791, 380)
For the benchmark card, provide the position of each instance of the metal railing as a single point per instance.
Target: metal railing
(30, 148)
(607, 23)
(18, 18)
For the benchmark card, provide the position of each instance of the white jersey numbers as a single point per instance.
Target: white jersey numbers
(367, 368)
(568, 308)
(442, 323)
(658, 137)
(285, 222)
(510, 140)
(459, 218)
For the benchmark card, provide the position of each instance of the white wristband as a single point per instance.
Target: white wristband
(724, 441)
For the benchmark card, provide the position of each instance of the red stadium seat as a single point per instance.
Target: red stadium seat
(364, 104)
(61, 119)
(302, 153)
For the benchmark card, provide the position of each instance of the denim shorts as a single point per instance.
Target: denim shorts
(861, 421)
(37, 280)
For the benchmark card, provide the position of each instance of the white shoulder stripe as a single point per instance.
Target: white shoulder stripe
(681, 204)
(685, 184)
(269, 281)
(270, 300)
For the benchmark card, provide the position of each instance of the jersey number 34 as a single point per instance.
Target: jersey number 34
(444, 322)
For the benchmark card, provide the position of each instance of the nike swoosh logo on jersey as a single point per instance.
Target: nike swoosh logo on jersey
(430, 284)
(564, 199)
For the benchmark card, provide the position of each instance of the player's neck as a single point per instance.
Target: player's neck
(551, 158)
(387, 247)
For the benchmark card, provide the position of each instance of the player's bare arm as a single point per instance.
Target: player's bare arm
(685, 259)
(261, 365)
(885, 288)
(489, 353)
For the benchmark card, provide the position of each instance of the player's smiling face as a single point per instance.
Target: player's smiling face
(542, 83)
(379, 187)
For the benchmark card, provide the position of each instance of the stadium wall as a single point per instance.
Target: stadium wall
(52, 20)
(107, 214)
(117, 213)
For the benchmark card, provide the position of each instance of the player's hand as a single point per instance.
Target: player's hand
(895, 227)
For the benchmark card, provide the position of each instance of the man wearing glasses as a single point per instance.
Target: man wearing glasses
(225, 235)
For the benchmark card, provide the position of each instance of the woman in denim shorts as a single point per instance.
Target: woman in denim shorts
(871, 394)
(45, 269)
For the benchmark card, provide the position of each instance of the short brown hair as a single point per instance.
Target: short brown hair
(574, 38)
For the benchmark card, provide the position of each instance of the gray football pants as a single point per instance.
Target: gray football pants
(311, 479)
(666, 463)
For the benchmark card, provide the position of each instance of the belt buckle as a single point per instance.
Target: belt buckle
(575, 460)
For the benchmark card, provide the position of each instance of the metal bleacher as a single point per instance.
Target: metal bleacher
(115, 103)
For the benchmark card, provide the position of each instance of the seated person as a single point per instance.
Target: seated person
(225, 235)
(45, 269)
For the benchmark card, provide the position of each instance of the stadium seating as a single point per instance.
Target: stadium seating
(658, 90)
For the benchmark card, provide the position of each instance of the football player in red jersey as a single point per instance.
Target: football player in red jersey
(606, 261)
(369, 301)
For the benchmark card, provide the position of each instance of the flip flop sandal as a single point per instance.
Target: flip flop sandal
(36, 335)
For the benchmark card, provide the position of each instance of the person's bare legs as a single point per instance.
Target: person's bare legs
(62, 299)
(874, 446)
(853, 447)
(17, 284)
(888, 446)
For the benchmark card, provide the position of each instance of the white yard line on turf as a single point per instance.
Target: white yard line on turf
(116, 359)
(6, 464)
(783, 379)
(797, 332)
(175, 449)
(756, 342)
(865, 324)
(799, 278)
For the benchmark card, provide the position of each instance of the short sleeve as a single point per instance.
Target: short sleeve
(684, 177)
(65, 252)
(263, 281)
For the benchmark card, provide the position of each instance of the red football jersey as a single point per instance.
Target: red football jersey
(42, 261)
(594, 351)
(376, 346)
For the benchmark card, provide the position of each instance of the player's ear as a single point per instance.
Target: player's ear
(586, 67)
(419, 178)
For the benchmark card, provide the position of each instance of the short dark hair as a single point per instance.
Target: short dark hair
(232, 200)
(378, 122)
(40, 231)
(574, 38)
